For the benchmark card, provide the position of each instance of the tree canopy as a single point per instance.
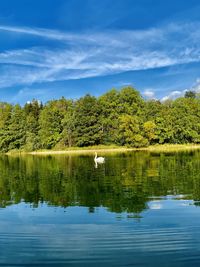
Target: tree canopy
(119, 117)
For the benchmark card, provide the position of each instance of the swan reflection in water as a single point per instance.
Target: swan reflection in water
(98, 160)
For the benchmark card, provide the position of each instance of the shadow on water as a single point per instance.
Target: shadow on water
(125, 183)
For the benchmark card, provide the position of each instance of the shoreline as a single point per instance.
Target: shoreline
(90, 150)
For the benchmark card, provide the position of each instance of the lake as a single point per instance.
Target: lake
(137, 209)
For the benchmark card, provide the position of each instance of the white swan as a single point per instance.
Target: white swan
(98, 159)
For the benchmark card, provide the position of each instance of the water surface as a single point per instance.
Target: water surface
(137, 209)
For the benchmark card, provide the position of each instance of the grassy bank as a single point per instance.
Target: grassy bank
(112, 148)
(171, 147)
(74, 150)
(84, 150)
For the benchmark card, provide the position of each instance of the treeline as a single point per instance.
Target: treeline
(118, 117)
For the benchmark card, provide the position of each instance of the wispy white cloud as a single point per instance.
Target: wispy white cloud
(43, 33)
(26, 94)
(96, 54)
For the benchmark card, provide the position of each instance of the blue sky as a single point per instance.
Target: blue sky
(54, 48)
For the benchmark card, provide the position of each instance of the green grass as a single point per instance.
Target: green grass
(171, 147)
(111, 148)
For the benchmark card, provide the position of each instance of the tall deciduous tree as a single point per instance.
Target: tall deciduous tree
(131, 131)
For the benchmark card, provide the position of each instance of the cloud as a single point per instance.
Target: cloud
(27, 94)
(43, 33)
(173, 95)
(149, 93)
(155, 205)
(65, 56)
(195, 87)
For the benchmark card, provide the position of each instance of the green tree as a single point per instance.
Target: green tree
(130, 101)
(130, 131)
(50, 123)
(68, 125)
(115, 103)
(190, 94)
(32, 111)
(5, 117)
(150, 131)
(186, 120)
(16, 128)
(109, 116)
(88, 129)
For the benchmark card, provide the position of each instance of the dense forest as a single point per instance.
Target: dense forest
(120, 117)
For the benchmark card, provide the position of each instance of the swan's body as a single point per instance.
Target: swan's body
(98, 159)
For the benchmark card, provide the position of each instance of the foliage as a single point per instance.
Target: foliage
(118, 117)
(32, 111)
(190, 94)
(87, 125)
(130, 131)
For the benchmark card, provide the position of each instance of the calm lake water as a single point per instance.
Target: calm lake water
(137, 209)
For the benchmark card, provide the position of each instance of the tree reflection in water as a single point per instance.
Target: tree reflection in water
(125, 183)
